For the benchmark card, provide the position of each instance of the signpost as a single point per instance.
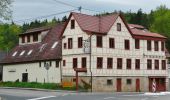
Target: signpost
(47, 67)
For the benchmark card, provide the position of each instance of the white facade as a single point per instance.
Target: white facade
(100, 76)
(36, 73)
(118, 52)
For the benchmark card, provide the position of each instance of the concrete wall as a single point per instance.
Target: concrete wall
(35, 72)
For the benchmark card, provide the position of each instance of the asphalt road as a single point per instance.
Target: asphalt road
(16, 94)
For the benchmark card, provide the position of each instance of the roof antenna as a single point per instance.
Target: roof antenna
(79, 9)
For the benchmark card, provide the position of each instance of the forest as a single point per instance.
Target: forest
(156, 20)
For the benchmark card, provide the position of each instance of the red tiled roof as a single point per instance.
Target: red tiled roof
(143, 32)
(46, 54)
(95, 24)
(102, 24)
(136, 26)
(146, 33)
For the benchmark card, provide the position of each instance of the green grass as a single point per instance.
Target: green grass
(52, 86)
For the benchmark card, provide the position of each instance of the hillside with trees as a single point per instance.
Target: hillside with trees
(155, 21)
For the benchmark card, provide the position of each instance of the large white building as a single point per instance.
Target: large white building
(36, 58)
(113, 55)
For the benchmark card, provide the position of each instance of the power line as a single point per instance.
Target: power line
(45, 16)
(66, 4)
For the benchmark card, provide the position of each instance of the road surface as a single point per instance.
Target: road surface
(17, 94)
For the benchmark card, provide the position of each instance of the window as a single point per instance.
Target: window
(35, 37)
(128, 81)
(28, 38)
(22, 53)
(72, 24)
(29, 52)
(50, 63)
(54, 45)
(74, 62)
(163, 64)
(149, 64)
(99, 62)
(137, 43)
(111, 43)
(127, 45)
(162, 46)
(118, 26)
(149, 46)
(39, 64)
(65, 45)
(109, 82)
(23, 39)
(99, 41)
(109, 63)
(156, 64)
(119, 63)
(137, 63)
(128, 63)
(64, 62)
(56, 64)
(14, 54)
(80, 42)
(156, 45)
(83, 62)
(70, 43)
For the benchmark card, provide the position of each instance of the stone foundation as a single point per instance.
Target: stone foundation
(100, 84)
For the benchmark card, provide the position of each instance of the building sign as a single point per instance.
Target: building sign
(86, 46)
(12, 70)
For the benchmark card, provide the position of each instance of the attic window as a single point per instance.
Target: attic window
(22, 53)
(14, 54)
(72, 24)
(54, 45)
(29, 52)
(118, 26)
(35, 37)
(42, 47)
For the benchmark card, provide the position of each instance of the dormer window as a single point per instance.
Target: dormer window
(22, 53)
(14, 54)
(23, 39)
(28, 38)
(72, 24)
(35, 37)
(54, 45)
(118, 26)
(29, 52)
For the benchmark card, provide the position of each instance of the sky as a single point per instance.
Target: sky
(26, 9)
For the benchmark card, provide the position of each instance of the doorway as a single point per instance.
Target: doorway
(24, 77)
(119, 85)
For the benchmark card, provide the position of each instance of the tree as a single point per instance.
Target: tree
(5, 11)
(9, 36)
(161, 22)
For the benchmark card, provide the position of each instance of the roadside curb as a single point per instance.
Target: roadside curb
(37, 89)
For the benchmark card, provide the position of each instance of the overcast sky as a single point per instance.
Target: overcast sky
(25, 9)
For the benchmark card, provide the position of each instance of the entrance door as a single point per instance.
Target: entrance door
(137, 85)
(119, 85)
(24, 77)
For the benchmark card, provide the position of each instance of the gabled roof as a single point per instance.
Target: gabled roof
(103, 24)
(40, 51)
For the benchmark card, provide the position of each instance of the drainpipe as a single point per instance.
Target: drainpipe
(90, 65)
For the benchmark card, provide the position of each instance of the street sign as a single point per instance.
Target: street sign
(86, 46)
